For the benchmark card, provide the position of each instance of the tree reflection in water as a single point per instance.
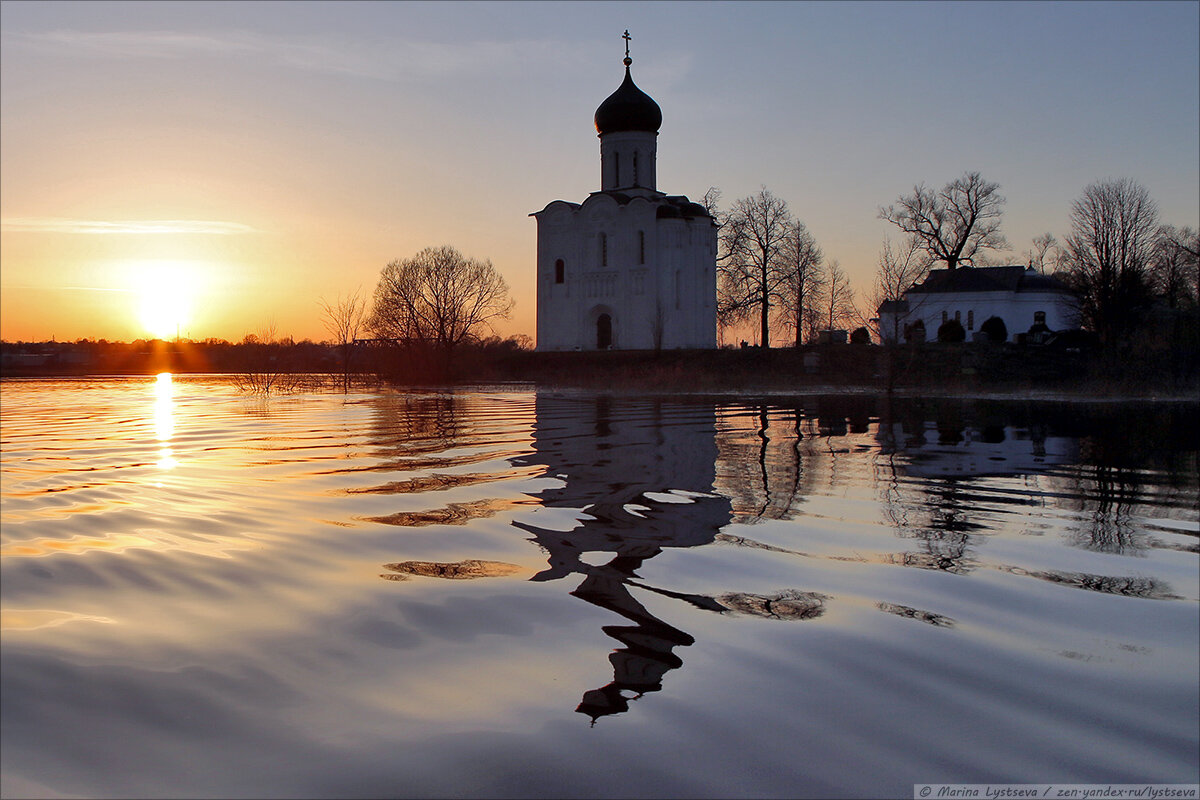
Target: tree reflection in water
(642, 476)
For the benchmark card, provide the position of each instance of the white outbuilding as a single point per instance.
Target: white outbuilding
(990, 303)
(629, 268)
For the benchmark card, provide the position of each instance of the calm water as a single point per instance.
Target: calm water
(505, 593)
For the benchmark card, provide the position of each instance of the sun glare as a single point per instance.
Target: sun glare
(164, 292)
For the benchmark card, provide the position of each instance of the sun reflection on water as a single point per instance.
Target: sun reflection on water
(164, 419)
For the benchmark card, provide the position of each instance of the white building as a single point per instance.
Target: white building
(630, 267)
(991, 303)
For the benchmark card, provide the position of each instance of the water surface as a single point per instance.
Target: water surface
(494, 592)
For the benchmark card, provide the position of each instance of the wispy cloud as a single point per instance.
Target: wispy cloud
(392, 60)
(142, 226)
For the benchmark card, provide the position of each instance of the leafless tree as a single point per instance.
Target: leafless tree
(1044, 250)
(1176, 273)
(900, 268)
(955, 224)
(751, 264)
(263, 372)
(344, 320)
(438, 297)
(1108, 256)
(801, 282)
(837, 297)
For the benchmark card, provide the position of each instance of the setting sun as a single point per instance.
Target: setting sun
(164, 292)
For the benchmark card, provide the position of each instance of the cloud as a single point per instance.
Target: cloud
(393, 60)
(145, 226)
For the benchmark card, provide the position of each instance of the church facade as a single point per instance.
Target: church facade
(629, 268)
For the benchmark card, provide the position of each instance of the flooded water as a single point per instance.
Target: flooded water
(512, 593)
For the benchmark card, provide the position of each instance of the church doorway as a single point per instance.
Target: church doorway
(603, 332)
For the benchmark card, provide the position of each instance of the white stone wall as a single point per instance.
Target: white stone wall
(974, 308)
(659, 288)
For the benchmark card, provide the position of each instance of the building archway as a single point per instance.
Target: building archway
(604, 332)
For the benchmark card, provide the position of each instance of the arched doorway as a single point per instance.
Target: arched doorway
(603, 332)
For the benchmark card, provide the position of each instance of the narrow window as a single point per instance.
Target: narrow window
(970, 320)
(678, 287)
(560, 270)
(616, 169)
(604, 249)
(945, 316)
(641, 247)
(958, 316)
(635, 175)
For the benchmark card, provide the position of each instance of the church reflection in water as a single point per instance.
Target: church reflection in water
(644, 476)
(634, 477)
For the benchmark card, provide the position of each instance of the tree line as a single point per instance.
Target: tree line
(1128, 271)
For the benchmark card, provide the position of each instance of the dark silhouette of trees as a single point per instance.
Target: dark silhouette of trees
(1109, 256)
(954, 224)
(836, 299)
(900, 268)
(802, 281)
(1176, 274)
(752, 265)
(344, 320)
(438, 298)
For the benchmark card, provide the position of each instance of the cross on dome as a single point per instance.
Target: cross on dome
(627, 37)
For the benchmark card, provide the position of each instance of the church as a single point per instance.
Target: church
(629, 268)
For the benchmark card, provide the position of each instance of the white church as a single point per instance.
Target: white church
(629, 268)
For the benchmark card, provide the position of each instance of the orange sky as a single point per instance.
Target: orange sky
(229, 166)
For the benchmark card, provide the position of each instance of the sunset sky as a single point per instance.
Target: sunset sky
(221, 167)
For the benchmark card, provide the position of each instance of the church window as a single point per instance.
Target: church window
(616, 169)
(958, 316)
(1039, 317)
(560, 270)
(945, 316)
(678, 287)
(635, 175)
(970, 320)
(641, 247)
(604, 249)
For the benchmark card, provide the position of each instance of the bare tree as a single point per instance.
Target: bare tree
(837, 297)
(954, 224)
(344, 319)
(1045, 249)
(1108, 256)
(1176, 275)
(438, 297)
(802, 280)
(263, 370)
(900, 268)
(751, 265)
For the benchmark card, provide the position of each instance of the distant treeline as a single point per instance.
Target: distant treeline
(1071, 364)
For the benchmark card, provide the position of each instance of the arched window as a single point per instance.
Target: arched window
(641, 247)
(970, 320)
(635, 175)
(560, 270)
(604, 249)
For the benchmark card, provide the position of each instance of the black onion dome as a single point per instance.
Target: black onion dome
(628, 109)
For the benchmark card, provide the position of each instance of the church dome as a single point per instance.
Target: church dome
(628, 109)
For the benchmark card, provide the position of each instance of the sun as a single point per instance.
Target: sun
(164, 291)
